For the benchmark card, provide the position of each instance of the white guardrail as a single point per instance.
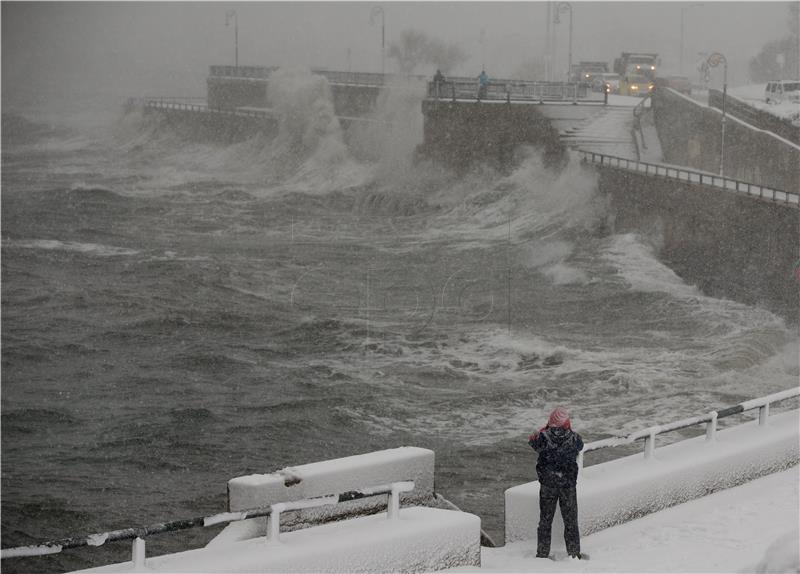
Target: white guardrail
(693, 176)
(272, 512)
(508, 90)
(709, 419)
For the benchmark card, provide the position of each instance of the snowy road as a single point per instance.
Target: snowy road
(729, 531)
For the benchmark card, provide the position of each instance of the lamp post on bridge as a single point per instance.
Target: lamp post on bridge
(228, 15)
(560, 8)
(683, 17)
(372, 16)
(714, 61)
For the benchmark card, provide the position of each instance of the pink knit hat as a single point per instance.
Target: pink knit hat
(559, 418)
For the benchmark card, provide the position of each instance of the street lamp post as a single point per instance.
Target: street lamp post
(372, 15)
(683, 17)
(228, 15)
(714, 61)
(563, 7)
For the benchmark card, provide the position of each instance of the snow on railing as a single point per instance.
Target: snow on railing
(272, 512)
(508, 90)
(710, 420)
(693, 176)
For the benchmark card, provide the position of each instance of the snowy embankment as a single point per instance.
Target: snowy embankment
(754, 96)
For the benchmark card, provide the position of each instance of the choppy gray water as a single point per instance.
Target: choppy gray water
(176, 314)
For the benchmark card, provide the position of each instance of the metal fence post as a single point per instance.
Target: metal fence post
(650, 444)
(393, 509)
(274, 524)
(763, 415)
(138, 553)
(711, 427)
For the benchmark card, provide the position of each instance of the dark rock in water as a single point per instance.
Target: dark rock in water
(553, 360)
(529, 362)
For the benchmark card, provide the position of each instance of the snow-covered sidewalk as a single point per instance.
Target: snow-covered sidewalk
(729, 531)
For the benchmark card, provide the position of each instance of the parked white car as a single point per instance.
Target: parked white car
(782, 90)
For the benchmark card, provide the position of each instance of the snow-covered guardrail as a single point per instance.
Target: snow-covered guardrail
(692, 176)
(709, 419)
(508, 90)
(273, 513)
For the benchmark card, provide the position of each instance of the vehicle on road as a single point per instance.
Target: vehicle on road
(608, 79)
(635, 85)
(782, 90)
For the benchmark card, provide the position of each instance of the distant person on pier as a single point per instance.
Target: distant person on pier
(558, 447)
(483, 83)
(438, 82)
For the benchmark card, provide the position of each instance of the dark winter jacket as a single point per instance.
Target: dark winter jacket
(558, 449)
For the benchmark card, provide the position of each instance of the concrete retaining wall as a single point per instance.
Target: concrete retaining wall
(728, 244)
(462, 134)
(690, 135)
(624, 489)
(205, 126)
(232, 93)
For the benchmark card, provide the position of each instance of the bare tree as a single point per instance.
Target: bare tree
(415, 48)
(780, 59)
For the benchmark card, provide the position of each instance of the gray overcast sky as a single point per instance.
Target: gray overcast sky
(164, 48)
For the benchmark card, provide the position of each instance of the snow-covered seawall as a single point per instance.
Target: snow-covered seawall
(418, 540)
(621, 490)
(326, 477)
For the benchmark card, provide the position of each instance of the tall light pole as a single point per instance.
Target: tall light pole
(372, 16)
(482, 42)
(714, 61)
(228, 15)
(684, 8)
(547, 43)
(563, 7)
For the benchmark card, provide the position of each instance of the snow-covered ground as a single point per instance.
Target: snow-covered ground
(749, 528)
(754, 95)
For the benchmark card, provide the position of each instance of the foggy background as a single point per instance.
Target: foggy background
(94, 51)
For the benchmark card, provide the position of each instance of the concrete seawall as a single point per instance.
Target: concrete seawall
(226, 93)
(461, 133)
(690, 135)
(211, 126)
(727, 244)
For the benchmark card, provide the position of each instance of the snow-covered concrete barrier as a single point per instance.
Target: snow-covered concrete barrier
(418, 540)
(321, 478)
(620, 490)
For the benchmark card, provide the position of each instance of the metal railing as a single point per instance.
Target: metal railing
(710, 420)
(636, 128)
(333, 76)
(693, 176)
(353, 78)
(508, 90)
(184, 105)
(258, 72)
(272, 512)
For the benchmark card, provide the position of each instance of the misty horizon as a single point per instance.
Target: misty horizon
(121, 49)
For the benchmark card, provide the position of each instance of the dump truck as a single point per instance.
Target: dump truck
(637, 72)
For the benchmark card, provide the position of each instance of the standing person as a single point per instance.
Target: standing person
(483, 83)
(558, 447)
(438, 80)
